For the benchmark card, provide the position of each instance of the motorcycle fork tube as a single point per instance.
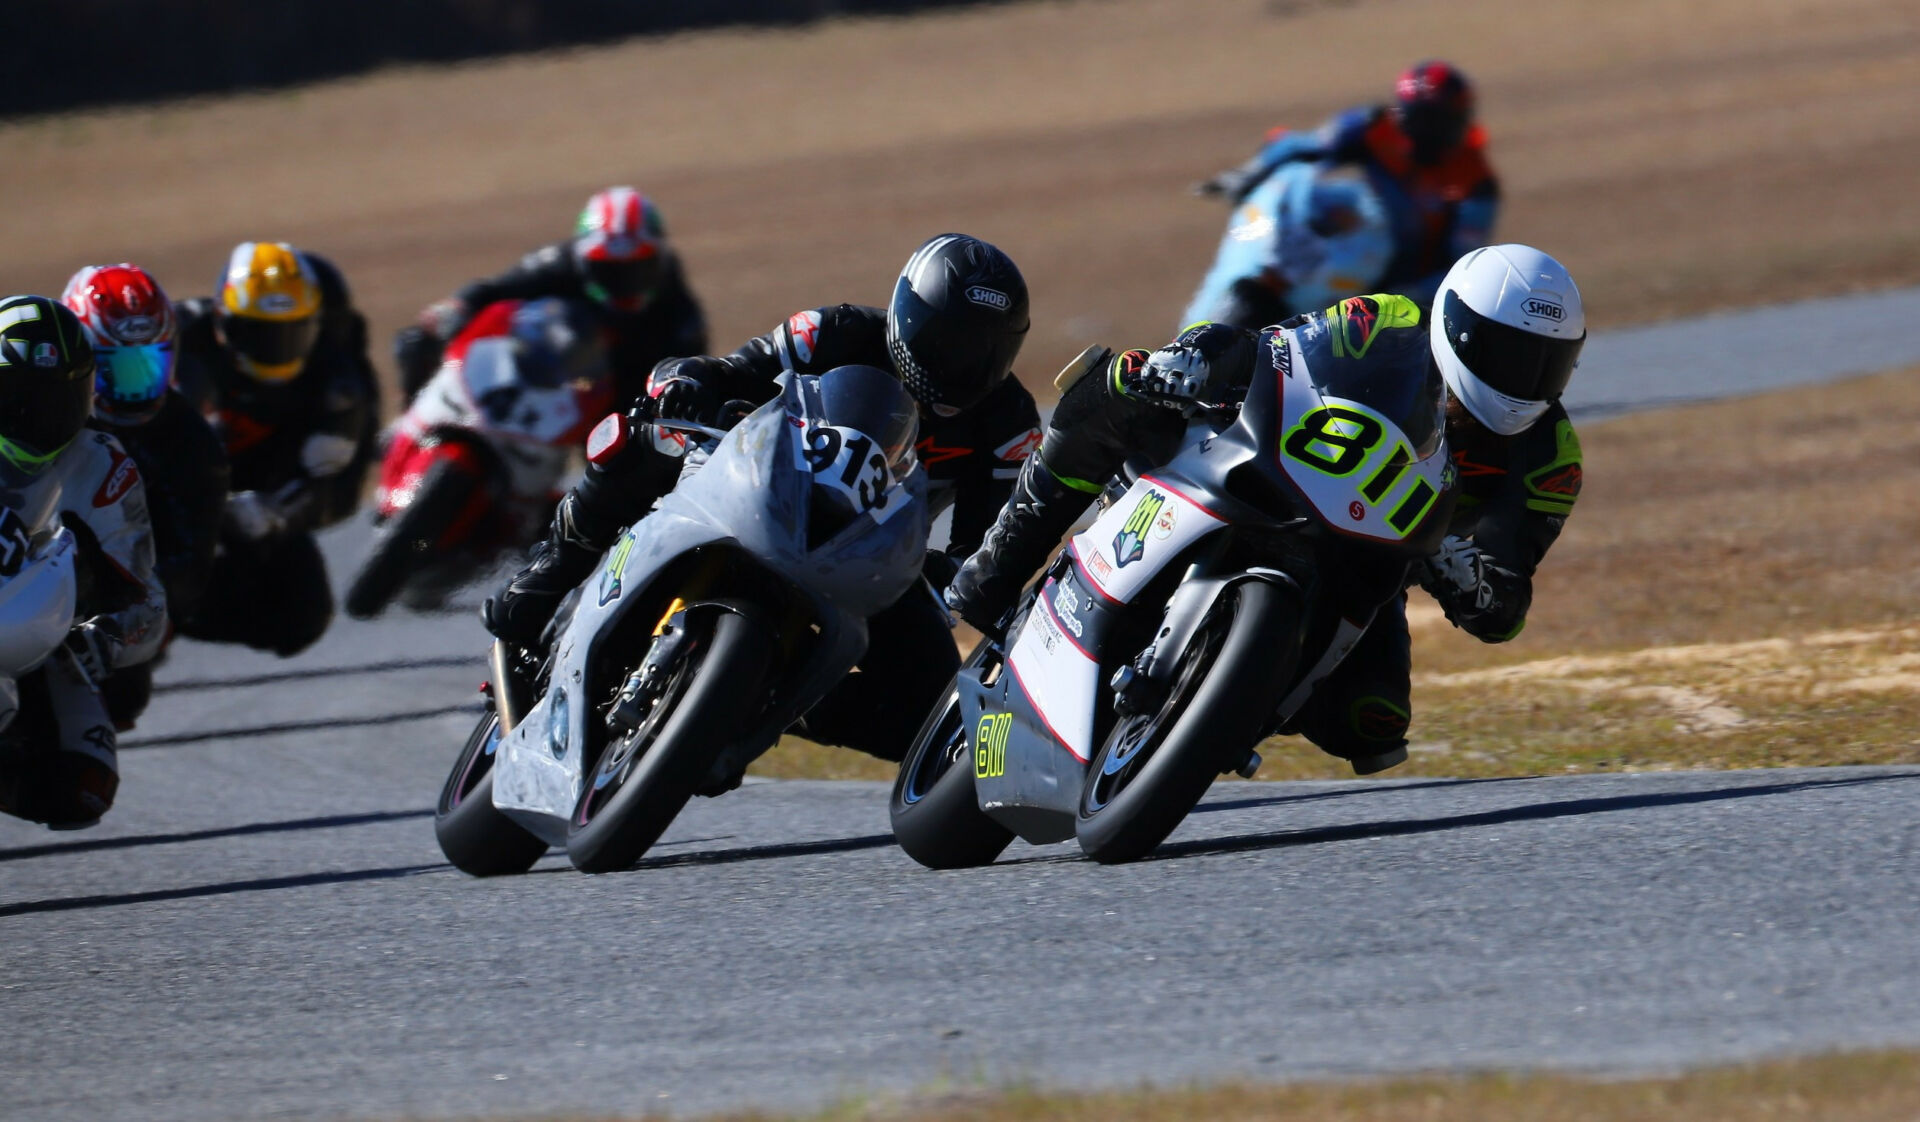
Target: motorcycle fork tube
(507, 698)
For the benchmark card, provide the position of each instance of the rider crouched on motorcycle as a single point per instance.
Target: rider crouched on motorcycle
(130, 323)
(57, 756)
(956, 321)
(277, 360)
(618, 261)
(1425, 148)
(1505, 332)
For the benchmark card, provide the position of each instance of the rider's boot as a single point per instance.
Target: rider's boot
(1040, 511)
(520, 612)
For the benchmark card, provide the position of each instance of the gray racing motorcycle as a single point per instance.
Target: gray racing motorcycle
(715, 622)
(1192, 619)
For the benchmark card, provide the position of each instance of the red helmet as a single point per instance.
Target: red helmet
(129, 321)
(620, 244)
(1435, 106)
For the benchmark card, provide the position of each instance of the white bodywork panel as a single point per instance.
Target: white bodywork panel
(1120, 553)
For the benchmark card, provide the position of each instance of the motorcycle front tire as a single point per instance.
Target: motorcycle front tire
(476, 837)
(716, 707)
(408, 539)
(935, 810)
(1208, 729)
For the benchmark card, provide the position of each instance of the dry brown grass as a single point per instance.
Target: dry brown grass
(1873, 1087)
(1677, 153)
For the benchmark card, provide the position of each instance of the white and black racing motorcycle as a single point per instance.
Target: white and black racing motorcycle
(715, 622)
(38, 592)
(1191, 619)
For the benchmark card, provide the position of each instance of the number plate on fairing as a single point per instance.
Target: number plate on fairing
(1355, 465)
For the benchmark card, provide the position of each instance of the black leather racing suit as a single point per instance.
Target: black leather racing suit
(971, 461)
(184, 469)
(1515, 493)
(669, 326)
(306, 443)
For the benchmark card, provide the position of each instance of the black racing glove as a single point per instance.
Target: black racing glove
(680, 390)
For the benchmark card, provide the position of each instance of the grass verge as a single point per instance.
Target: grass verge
(1866, 1087)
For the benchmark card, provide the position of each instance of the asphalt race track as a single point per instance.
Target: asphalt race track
(264, 926)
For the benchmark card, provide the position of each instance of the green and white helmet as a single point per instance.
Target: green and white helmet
(46, 381)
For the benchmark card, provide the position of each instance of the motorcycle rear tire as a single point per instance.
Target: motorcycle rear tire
(716, 707)
(476, 837)
(1222, 713)
(937, 819)
(408, 539)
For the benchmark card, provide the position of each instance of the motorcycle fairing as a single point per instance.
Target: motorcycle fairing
(36, 609)
(752, 496)
(534, 428)
(1124, 549)
(1323, 228)
(1021, 778)
(1350, 458)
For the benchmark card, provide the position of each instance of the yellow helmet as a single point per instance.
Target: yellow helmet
(269, 310)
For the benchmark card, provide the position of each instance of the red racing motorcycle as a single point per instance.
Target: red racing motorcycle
(473, 468)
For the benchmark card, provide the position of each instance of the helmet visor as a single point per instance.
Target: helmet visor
(41, 416)
(275, 347)
(625, 280)
(951, 358)
(130, 381)
(1512, 362)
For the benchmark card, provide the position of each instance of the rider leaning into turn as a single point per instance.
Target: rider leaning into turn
(956, 321)
(60, 767)
(277, 360)
(1427, 154)
(183, 466)
(1506, 330)
(618, 261)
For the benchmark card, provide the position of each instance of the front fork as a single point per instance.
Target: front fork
(1140, 687)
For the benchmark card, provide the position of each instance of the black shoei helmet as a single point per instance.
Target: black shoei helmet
(46, 380)
(958, 317)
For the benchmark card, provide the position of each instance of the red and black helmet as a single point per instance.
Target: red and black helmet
(129, 321)
(620, 245)
(1434, 102)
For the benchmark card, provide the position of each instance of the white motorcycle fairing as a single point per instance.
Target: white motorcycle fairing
(36, 610)
(753, 496)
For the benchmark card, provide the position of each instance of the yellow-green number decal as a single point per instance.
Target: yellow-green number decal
(1348, 433)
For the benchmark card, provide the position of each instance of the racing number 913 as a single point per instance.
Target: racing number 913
(863, 474)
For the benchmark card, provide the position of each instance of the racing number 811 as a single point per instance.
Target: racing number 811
(1351, 437)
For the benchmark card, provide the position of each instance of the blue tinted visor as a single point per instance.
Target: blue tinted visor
(130, 382)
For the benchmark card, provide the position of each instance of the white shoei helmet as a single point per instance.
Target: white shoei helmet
(1507, 327)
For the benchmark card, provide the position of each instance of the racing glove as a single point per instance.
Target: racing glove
(1172, 377)
(678, 393)
(1478, 596)
(92, 650)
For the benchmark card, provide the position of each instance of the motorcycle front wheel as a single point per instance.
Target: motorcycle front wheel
(407, 541)
(476, 837)
(645, 777)
(936, 814)
(1153, 768)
